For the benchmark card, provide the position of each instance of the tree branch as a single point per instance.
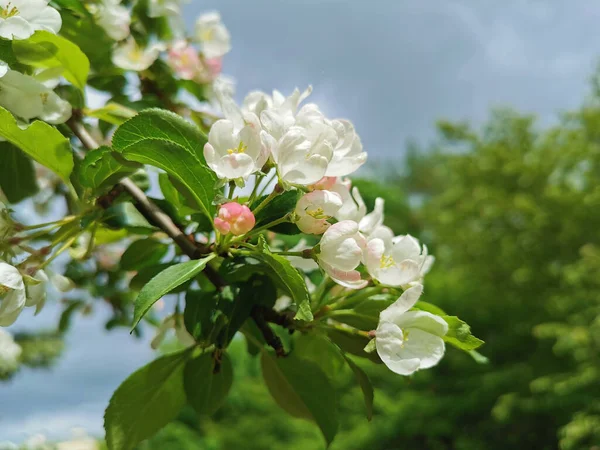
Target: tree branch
(152, 212)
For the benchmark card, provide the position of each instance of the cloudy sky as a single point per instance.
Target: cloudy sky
(391, 66)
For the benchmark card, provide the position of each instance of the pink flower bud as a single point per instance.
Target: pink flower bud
(214, 66)
(235, 219)
(184, 60)
(325, 184)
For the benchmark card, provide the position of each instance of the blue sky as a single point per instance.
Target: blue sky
(393, 67)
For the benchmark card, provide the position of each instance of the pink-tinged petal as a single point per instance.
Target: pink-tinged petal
(347, 278)
(222, 226)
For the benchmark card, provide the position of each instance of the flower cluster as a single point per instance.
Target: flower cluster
(310, 153)
(30, 96)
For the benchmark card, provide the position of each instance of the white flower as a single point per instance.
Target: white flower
(354, 208)
(10, 352)
(37, 287)
(314, 209)
(27, 98)
(234, 149)
(301, 155)
(173, 322)
(19, 19)
(160, 8)
(398, 262)
(113, 18)
(341, 251)
(212, 35)
(348, 154)
(12, 294)
(130, 56)
(407, 341)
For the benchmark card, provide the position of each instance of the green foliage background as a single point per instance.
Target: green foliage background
(512, 214)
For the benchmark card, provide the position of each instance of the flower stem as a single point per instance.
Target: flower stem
(265, 202)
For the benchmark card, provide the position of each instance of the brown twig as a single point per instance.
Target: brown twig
(151, 211)
(268, 334)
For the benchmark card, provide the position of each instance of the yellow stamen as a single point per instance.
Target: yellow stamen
(9, 11)
(317, 213)
(207, 35)
(240, 149)
(386, 262)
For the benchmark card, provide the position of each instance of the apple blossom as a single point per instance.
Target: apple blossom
(184, 60)
(12, 294)
(301, 158)
(314, 209)
(354, 208)
(398, 262)
(341, 251)
(10, 352)
(325, 183)
(407, 341)
(235, 219)
(234, 150)
(37, 286)
(173, 322)
(212, 35)
(19, 19)
(348, 154)
(27, 98)
(130, 56)
(113, 17)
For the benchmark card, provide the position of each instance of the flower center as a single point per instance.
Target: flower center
(9, 11)
(4, 290)
(317, 213)
(386, 262)
(241, 148)
(405, 334)
(207, 35)
(44, 97)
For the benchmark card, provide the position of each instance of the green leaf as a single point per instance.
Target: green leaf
(429, 307)
(47, 50)
(125, 215)
(100, 169)
(6, 53)
(278, 207)
(143, 253)
(301, 388)
(365, 386)
(41, 141)
(165, 140)
(17, 174)
(459, 334)
(353, 344)
(114, 113)
(287, 278)
(165, 282)
(145, 274)
(74, 5)
(147, 400)
(197, 317)
(65, 318)
(206, 390)
(318, 348)
(365, 315)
